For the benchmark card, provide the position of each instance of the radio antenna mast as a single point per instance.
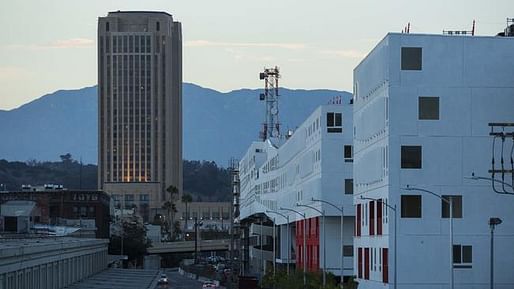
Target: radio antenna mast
(271, 125)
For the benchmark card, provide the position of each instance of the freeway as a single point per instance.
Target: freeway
(178, 281)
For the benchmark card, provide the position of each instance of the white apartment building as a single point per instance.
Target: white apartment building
(314, 162)
(422, 104)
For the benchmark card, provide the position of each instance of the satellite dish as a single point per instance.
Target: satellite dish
(274, 110)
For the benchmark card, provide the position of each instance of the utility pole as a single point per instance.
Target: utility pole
(493, 222)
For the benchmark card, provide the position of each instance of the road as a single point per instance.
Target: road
(178, 281)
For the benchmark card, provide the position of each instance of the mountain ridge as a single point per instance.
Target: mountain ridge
(66, 121)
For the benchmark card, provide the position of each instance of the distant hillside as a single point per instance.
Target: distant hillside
(217, 126)
(205, 181)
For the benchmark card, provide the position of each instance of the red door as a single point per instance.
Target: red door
(358, 221)
(359, 263)
(385, 265)
(379, 216)
(372, 218)
(366, 263)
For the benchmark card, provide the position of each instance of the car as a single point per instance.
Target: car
(209, 285)
(163, 279)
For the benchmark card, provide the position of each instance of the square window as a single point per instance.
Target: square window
(411, 206)
(428, 108)
(348, 251)
(334, 122)
(348, 186)
(462, 256)
(411, 157)
(411, 58)
(456, 207)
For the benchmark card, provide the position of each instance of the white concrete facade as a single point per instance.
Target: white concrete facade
(50, 263)
(309, 164)
(473, 81)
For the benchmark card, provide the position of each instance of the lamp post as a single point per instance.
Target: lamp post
(340, 209)
(492, 180)
(393, 208)
(449, 201)
(304, 243)
(493, 222)
(197, 224)
(324, 241)
(287, 235)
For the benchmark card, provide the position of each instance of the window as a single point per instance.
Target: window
(411, 206)
(334, 122)
(348, 186)
(158, 26)
(462, 256)
(106, 26)
(129, 201)
(411, 58)
(456, 207)
(411, 157)
(428, 108)
(348, 153)
(348, 251)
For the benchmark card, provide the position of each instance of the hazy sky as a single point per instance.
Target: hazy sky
(49, 45)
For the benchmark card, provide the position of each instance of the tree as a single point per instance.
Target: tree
(135, 241)
(171, 207)
(66, 158)
(186, 199)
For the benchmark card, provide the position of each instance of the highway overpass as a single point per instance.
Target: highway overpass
(189, 246)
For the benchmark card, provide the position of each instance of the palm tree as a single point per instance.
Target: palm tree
(186, 198)
(171, 208)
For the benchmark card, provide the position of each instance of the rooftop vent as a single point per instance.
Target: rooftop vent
(509, 30)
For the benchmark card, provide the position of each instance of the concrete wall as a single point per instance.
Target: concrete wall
(51, 263)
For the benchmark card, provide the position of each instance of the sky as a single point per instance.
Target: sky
(50, 45)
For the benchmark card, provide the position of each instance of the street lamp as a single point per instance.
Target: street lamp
(493, 222)
(324, 241)
(197, 224)
(449, 201)
(287, 236)
(340, 209)
(304, 243)
(492, 180)
(393, 208)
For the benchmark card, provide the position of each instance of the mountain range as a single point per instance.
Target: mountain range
(216, 126)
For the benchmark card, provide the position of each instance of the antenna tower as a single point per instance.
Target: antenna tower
(271, 125)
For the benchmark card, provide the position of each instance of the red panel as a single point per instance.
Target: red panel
(359, 263)
(312, 239)
(366, 263)
(380, 205)
(358, 221)
(385, 265)
(372, 218)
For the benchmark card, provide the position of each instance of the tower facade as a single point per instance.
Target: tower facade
(139, 108)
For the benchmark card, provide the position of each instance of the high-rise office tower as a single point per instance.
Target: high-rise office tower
(139, 108)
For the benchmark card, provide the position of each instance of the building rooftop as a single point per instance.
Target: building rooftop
(16, 245)
(139, 12)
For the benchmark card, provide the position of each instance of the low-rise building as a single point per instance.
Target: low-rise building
(315, 162)
(84, 209)
(422, 105)
(50, 262)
